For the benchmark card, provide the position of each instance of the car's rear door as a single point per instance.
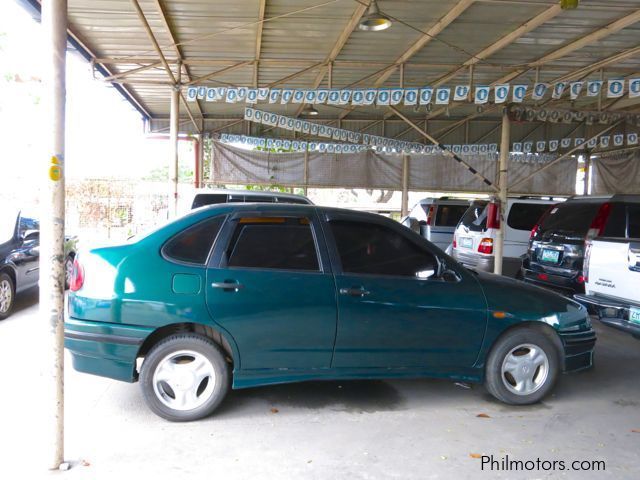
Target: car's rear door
(269, 284)
(390, 313)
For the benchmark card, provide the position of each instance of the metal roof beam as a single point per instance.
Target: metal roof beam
(219, 72)
(260, 27)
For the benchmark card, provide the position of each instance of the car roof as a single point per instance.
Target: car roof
(249, 193)
(618, 197)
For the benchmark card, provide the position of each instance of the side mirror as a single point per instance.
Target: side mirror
(424, 274)
(450, 276)
(29, 235)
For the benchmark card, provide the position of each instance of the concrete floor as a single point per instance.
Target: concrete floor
(418, 429)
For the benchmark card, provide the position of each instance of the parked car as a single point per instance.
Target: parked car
(475, 235)
(436, 219)
(236, 296)
(20, 257)
(612, 273)
(556, 246)
(209, 196)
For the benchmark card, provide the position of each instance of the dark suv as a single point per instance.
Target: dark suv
(556, 247)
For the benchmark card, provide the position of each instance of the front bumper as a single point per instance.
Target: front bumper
(578, 349)
(612, 312)
(104, 349)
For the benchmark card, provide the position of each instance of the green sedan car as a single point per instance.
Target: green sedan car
(245, 295)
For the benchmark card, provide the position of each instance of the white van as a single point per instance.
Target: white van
(436, 219)
(474, 238)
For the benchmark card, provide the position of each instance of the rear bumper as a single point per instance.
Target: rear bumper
(578, 350)
(104, 349)
(565, 285)
(612, 312)
(475, 261)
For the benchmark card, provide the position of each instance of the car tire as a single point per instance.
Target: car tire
(184, 377)
(7, 295)
(522, 367)
(68, 271)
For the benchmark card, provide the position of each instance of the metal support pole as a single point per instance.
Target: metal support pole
(173, 150)
(502, 193)
(199, 160)
(306, 171)
(54, 21)
(587, 173)
(405, 186)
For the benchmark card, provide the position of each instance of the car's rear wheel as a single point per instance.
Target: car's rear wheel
(184, 377)
(7, 295)
(522, 367)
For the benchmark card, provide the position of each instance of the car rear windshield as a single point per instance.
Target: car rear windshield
(570, 219)
(475, 218)
(450, 215)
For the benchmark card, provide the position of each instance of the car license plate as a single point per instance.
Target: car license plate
(551, 256)
(634, 315)
(466, 242)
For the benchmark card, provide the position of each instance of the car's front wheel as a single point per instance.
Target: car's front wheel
(522, 367)
(184, 377)
(7, 295)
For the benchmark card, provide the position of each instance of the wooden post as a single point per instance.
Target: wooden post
(502, 193)
(405, 186)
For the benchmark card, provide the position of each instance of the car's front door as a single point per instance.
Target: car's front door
(269, 284)
(393, 308)
(26, 255)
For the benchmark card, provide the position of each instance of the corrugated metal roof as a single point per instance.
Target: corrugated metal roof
(212, 36)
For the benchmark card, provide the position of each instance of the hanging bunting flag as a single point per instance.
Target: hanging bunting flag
(519, 92)
(370, 96)
(282, 121)
(192, 94)
(383, 97)
(310, 96)
(290, 123)
(634, 88)
(232, 95)
(527, 147)
(314, 128)
(578, 142)
(252, 95)
(457, 149)
(501, 93)
(263, 94)
(618, 140)
(274, 95)
(426, 94)
(565, 142)
(334, 97)
(474, 149)
(493, 147)
(615, 88)
(553, 145)
(592, 143)
(558, 90)
(482, 95)
(297, 126)
(357, 98)
(541, 145)
(212, 95)
(604, 141)
(554, 116)
(298, 96)
(286, 96)
(517, 147)
(242, 93)
(202, 92)
(249, 113)
(345, 96)
(322, 96)
(306, 127)
(632, 139)
(466, 150)
(484, 149)
(461, 93)
(593, 88)
(442, 96)
(396, 96)
(258, 116)
(366, 138)
(574, 89)
(411, 96)
(539, 89)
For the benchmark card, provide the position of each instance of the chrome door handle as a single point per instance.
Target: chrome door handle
(227, 285)
(354, 292)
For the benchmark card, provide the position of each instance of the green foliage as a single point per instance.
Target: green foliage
(161, 174)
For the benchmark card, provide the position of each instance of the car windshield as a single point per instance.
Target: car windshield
(569, 219)
(475, 218)
(7, 225)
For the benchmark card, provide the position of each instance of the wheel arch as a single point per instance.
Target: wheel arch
(544, 328)
(8, 269)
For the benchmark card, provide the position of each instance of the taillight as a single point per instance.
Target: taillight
(455, 243)
(599, 222)
(430, 215)
(493, 215)
(534, 230)
(585, 263)
(486, 245)
(77, 277)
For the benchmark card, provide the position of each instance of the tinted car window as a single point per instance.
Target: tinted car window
(375, 249)
(616, 225)
(570, 218)
(194, 244)
(475, 218)
(450, 215)
(633, 216)
(292, 200)
(203, 199)
(524, 216)
(273, 243)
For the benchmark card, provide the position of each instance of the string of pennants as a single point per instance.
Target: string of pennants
(615, 88)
